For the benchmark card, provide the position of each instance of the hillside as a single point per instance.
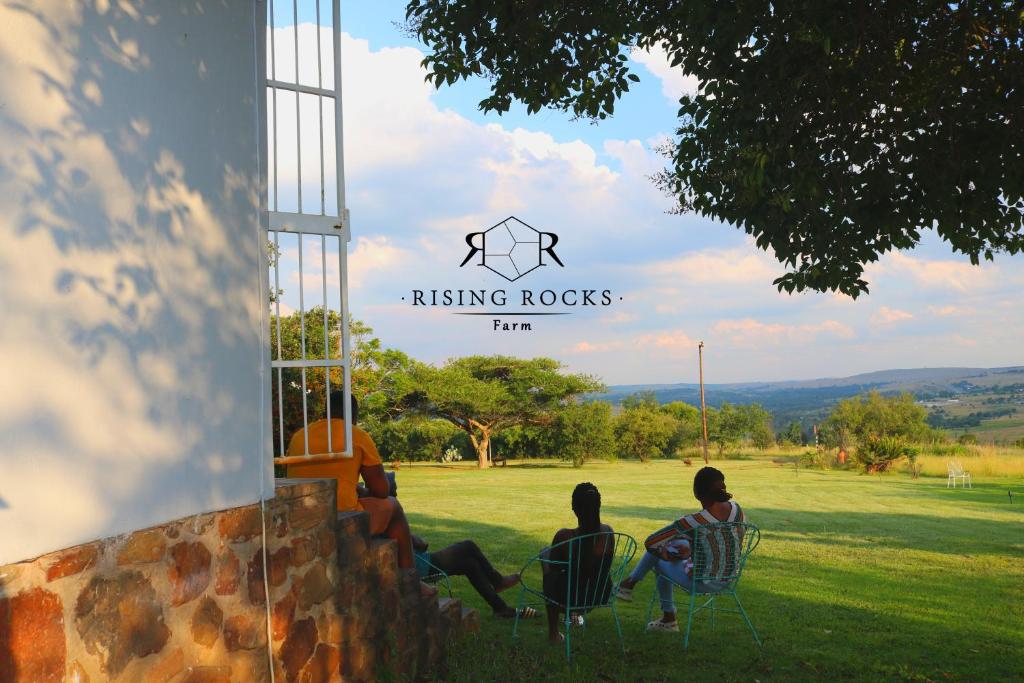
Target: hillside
(987, 401)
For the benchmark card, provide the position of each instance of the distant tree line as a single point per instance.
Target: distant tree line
(476, 406)
(479, 405)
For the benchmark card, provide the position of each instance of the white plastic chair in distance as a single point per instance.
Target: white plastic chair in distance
(956, 471)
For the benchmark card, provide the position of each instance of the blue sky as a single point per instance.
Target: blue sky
(425, 167)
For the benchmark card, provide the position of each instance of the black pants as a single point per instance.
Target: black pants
(466, 559)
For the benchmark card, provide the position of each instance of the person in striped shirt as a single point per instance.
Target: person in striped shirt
(668, 551)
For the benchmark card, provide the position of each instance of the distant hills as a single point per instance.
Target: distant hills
(810, 400)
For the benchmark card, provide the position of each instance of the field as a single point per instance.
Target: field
(856, 578)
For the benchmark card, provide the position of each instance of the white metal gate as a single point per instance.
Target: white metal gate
(308, 227)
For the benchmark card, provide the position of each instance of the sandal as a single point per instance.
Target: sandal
(624, 594)
(659, 625)
(577, 620)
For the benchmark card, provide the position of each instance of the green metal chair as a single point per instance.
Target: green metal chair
(431, 573)
(719, 553)
(585, 577)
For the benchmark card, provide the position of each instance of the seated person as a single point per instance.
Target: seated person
(466, 559)
(668, 551)
(592, 561)
(386, 514)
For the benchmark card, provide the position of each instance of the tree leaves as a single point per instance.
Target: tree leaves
(832, 132)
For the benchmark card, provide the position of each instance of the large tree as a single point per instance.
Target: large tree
(483, 395)
(832, 131)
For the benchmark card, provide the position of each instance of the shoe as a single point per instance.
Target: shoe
(577, 620)
(659, 625)
(624, 594)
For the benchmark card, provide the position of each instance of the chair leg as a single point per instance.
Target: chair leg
(618, 628)
(568, 635)
(515, 623)
(750, 625)
(650, 608)
(689, 619)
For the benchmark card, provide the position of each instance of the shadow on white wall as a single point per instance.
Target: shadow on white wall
(131, 313)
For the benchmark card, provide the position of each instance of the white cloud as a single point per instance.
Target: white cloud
(674, 83)
(946, 310)
(740, 265)
(749, 332)
(946, 274)
(887, 316)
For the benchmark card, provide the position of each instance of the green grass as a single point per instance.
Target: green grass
(856, 578)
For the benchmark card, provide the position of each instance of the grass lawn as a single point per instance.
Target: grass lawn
(856, 578)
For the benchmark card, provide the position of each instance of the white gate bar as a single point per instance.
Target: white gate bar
(311, 224)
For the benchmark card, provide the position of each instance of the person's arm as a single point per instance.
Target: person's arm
(376, 480)
(558, 553)
(371, 467)
(658, 541)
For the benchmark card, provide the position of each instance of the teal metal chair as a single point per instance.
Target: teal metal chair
(719, 553)
(584, 577)
(431, 573)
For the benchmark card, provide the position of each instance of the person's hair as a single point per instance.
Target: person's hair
(586, 503)
(338, 406)
(709, 483)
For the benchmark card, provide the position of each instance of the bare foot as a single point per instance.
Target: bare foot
(507, 582)
(556, 638)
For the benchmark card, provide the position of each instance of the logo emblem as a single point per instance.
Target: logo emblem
(512, 248)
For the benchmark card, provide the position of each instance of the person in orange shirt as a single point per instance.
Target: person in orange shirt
(386, 514)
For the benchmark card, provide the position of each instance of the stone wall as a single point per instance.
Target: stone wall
(185, 602)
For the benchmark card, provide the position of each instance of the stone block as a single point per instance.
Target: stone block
(353, 523)
(254, 579)
(250, 666)
(323, 667)
(298, 647)
(315, 587)
(244, 632)
(149, 545)
(32, 647)
(240, 524)
(228, 573)
(304, 549)
(307, 512)
(120, 619)
(359, 660)
(72, 561)
(278, 565)
(282, 616)
(206, 622)
(326, 542)
(190, 571)
(165, 668)
(206, 674)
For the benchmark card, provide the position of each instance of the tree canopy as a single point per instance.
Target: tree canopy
(483, 395)
(831, 131)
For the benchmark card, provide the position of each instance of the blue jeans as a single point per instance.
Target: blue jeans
(673, 570)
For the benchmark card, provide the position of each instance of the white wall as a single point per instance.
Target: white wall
(130, 257)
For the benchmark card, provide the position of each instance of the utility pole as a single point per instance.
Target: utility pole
(703, 408)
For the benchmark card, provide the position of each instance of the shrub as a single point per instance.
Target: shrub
(878, 455)
(967, 439)
(451, 454)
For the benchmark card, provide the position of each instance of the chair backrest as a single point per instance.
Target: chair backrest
(955, 468)
(591, 565)
(719, 551)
